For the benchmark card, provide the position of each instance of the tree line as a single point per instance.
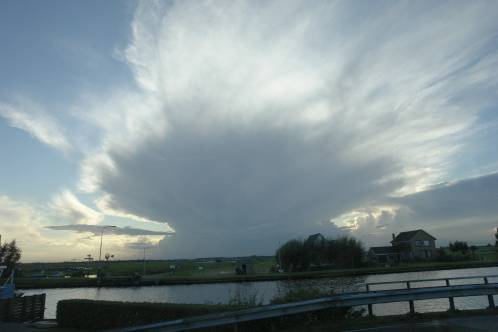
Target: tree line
(301, 255)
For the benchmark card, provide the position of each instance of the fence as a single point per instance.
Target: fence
(23, 309)
(344, 300)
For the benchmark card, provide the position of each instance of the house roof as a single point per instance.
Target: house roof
(407, 236)
(383, 250)
(314, 238)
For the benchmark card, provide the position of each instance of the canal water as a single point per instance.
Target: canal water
(264, 291)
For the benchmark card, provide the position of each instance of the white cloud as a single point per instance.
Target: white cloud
(18, 219)
(104, 205)
(458, 210)
(38, 123)
(25, 222)
(32, 226)
(70, 209)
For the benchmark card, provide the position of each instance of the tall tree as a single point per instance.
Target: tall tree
(10, 254)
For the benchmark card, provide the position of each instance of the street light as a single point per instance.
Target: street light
(101, 235)
(99, 276)
(143, 272)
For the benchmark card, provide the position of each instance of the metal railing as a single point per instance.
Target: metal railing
(447, 283)
(343, 300)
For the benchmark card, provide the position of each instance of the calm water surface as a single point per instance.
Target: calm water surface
(264, 291)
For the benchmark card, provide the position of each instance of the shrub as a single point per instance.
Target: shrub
(244, 300)
(300, 294)
(303, 294)
(459, 246)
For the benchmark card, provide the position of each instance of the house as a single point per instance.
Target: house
(383, 255)
(417, 244)
(406, 246)
(315, 240)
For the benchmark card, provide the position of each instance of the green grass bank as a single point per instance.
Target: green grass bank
(167, 279)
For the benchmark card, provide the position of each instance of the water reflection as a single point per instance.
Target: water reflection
(264, 291)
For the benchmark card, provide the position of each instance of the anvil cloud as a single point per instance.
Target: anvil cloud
(247, 123)
(254, 122)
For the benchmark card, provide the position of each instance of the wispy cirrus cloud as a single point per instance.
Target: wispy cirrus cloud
(38, 123)
(70, 208)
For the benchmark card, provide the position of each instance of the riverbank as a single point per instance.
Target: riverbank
(166, 279)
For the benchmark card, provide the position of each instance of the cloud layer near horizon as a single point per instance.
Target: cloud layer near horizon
(96, 230)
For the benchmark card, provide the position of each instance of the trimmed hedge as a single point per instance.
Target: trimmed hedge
(90, 314)
(98, 315)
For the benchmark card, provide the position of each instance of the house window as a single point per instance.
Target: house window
(426, 243)
(418, 243)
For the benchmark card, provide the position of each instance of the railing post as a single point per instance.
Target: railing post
(452, 301)
(490, 297)
(412, 305)
(370, 309)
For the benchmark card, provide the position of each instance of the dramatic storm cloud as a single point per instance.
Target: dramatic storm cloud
(238, 125)
(256, 122)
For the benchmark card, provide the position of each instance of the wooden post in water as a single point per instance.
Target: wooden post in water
(490, 297)
(370, 309)
(412, 305)
(452, 301)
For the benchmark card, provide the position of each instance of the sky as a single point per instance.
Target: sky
(225, 128)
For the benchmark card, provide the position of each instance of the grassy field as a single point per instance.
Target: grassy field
(262, 268)
(487, 253)
(175, 268)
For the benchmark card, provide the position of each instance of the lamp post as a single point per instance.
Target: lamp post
(143, 272)
(101, 236)
(100, 252)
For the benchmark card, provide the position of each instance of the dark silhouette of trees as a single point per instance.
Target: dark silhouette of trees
(496, 237)
(343, 252)
(473, 249)
(292, 256)
(461, 246)
(10, 254)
